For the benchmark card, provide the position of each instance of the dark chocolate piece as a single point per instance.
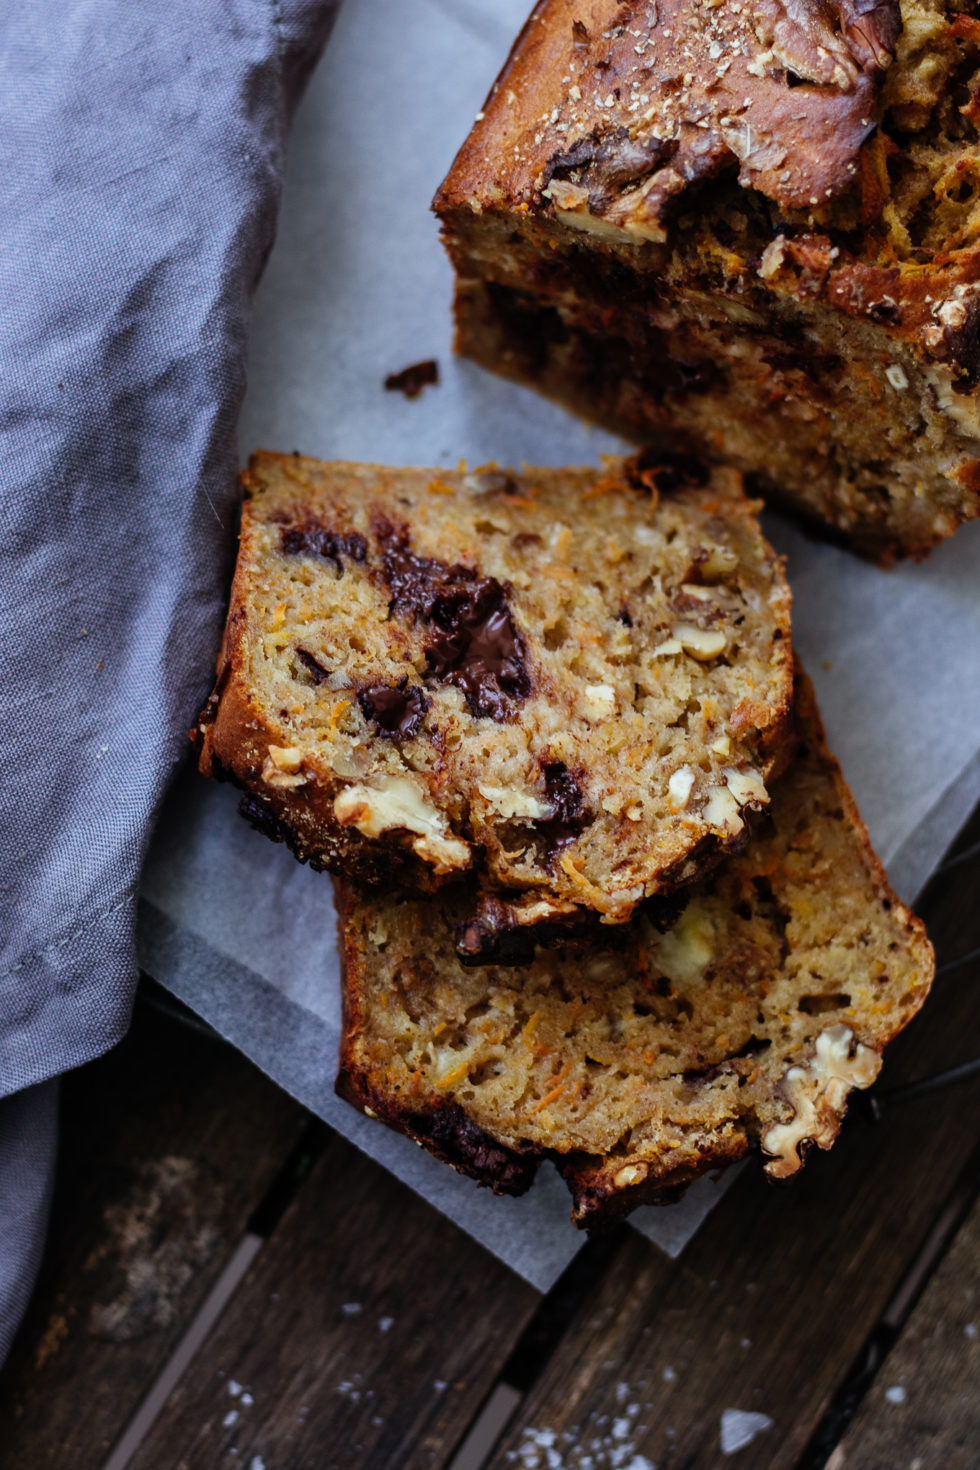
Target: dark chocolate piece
(318, 540)
(608, 164)
(477, 647)
(481, 652)
(396, 709)
(411, 380)
(464, 1144)
(495, 935)
(313, 666)
(565, 795)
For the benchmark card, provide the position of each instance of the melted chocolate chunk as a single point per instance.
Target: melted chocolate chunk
(411, 380)
(477, 646)
(565, 795)
(494, 934)
(318, 540)
(312, 666)
(481, 652)
(606, 164)
(416, 583)
(396, 709)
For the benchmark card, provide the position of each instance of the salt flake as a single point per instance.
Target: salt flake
(739, 1427)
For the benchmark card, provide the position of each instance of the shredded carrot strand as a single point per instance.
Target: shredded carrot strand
(555, 1092)
(452, 1077)
(602, 487)
(600, 899)
(531, 1027)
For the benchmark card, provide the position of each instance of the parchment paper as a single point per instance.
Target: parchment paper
(358, 287)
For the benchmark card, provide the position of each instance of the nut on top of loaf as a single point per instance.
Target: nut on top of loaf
(573, 682)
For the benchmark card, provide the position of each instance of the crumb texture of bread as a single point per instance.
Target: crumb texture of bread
(758, 238)
(636, 1067)
(573, 683)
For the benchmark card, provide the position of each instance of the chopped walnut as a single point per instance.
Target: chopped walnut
(817, 1093)
(281, 768)
(701, 643)
(395, 803)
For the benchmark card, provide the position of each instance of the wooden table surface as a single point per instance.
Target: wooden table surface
(229, 1283)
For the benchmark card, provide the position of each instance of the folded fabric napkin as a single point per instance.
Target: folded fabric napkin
(141, 156)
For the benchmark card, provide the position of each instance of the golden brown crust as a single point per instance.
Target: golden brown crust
(616, 1045)
(781, 94)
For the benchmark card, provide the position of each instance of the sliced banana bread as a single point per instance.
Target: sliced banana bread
(638, 1067)
(574, 682)
(753, 226)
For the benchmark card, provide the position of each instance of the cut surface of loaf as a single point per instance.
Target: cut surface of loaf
(574, 683)
(756, 228)
(638, 1067)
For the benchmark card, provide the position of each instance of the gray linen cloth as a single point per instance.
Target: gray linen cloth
(141, 157)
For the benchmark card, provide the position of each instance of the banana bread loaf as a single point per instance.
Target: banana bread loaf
(638, 1067)
(754, 230)
(574, 683)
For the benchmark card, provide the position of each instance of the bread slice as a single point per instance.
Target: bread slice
(750, 231)
(574, 683)
(639, 1067)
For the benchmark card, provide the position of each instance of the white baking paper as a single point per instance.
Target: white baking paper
(358, 287)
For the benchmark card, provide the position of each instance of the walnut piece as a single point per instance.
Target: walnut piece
(701, 643)
(817, 1093)
(281, 768)
(395, 803)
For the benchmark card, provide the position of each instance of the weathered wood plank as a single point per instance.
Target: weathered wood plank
(366, 1333)
(773, 1300)
(924, 1407)
(168, 1144)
